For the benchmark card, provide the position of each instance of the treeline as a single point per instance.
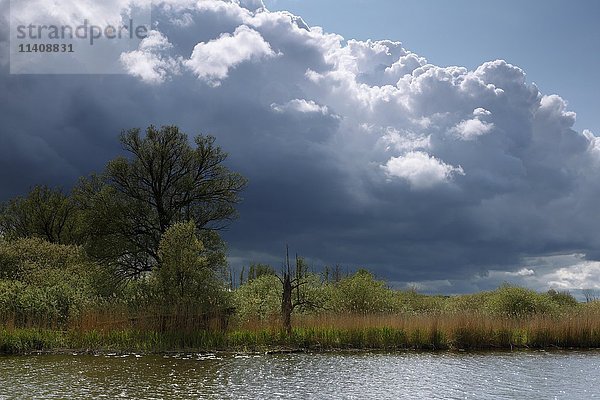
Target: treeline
(361, 293)
(53, 296)
(54, 285)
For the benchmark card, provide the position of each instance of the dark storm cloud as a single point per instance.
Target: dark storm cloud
(357, 153)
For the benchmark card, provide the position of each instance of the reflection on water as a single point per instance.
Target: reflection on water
(409, 375)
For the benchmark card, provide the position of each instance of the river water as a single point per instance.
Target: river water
(404, 375)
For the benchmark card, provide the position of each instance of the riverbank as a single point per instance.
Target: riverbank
(325, 333)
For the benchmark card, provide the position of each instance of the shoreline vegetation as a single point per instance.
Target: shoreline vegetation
(459, 332)
(53, 297)
(132, 260)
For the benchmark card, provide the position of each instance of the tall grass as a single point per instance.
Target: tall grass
(117, 330)
(450, 331)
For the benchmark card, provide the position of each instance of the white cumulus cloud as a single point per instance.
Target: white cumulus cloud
(212, 61)
(301, 106)
(472, 128)
(148, 63)
(420, 169)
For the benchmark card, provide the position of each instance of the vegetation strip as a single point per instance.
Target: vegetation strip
(449, 332)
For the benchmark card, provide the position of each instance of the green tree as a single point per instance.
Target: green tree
(164, 180)
(518, 302)
(361, 293)
(562, 298)
(116, 230)
(44, 213)
(259, 298)
(184, 276)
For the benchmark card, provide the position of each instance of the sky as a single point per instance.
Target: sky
(445, 146)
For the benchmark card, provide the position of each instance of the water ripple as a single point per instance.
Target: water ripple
(408, 375)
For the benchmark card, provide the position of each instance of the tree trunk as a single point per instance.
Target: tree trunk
(286, 304)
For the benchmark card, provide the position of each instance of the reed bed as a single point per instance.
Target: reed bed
(118, 330)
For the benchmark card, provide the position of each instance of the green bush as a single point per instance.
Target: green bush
(184, 277)
(512, 301)
(409, 301)
(467, 303)
(38, 262)
(259, 298)
(564, 300)
(361, 293)
(43, 283)
(27, 305)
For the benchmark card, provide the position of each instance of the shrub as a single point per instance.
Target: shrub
(42, 282)
(41, 263)
(361, 293)
(562, 299)
(184, 277)
(467, 302)
(409, 301)
(26, 305)
(259, 298)
(512, 301)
